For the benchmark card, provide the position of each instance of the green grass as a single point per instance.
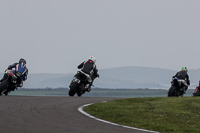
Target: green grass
(163, 114)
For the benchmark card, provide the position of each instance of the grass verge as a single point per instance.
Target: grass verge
(163, 114)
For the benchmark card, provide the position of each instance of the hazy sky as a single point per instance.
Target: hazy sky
(55, 36)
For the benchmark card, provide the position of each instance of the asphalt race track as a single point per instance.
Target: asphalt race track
(51, 114)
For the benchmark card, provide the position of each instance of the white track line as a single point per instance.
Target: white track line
(80, 109)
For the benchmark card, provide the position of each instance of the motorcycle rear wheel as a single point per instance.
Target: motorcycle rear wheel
(80, 92)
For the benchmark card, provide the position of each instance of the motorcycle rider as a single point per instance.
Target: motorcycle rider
(182, 75)
(89, 69)
(197, 88)
(20, 67)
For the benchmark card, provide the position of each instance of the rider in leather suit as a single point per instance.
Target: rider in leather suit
(89, 69)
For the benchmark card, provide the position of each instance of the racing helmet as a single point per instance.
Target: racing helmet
(22, 60)
(92, 58)
(184, 69)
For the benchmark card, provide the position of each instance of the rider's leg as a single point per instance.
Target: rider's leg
(89, 84)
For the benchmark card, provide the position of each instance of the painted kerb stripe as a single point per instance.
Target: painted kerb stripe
(80, 109)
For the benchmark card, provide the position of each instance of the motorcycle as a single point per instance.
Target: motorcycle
(10, 81)
(178, 87)
(196, 93)
(77, 85)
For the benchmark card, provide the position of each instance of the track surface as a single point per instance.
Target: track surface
(49, 114)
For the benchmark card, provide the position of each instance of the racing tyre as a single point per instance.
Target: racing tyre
(171, 91)
(80, 92)
(73, 89)
(3, 86)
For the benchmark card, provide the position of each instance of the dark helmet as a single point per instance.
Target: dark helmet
(22, 60)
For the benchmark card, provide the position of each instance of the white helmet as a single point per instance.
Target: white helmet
(92, 58)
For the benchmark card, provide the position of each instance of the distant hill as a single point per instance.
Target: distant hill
(121, 77)
(136, 77)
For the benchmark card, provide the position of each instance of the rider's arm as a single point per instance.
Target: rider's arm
(12, 66)
(188, 80)
(81, 65)
(96, 72)
(176, 74)
(25, 75)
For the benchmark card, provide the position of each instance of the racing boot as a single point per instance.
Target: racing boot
(88, 87)
(5, 93)
(19, 85)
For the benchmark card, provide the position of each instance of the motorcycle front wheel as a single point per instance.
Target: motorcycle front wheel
(73, 89)
(171, 91)
(3, 86)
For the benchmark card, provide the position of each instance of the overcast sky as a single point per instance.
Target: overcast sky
(55, 36)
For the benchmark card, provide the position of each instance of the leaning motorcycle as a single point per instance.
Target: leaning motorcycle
(10, 81)
(196, 93)
(177, 87)
(77, 85)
